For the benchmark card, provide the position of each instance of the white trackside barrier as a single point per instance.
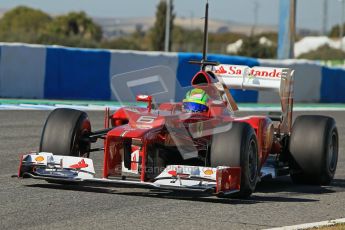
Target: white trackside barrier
(54, 72)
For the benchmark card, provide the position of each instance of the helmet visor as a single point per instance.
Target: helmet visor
(194, 107)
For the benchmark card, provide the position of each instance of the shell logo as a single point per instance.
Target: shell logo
(208, 172)
(39, 159)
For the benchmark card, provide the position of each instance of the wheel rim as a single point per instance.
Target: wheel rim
(333, 152)
(84, 147)
(80, 146)
(253, 160)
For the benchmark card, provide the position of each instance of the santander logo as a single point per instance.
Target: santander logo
(237, 71)
(221, 70)
(81, 164)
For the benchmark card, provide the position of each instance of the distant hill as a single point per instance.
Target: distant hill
(113, 27)
(2, 11)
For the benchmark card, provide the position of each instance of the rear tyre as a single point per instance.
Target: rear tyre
(63, 133)
(238, 148)
(314, 150)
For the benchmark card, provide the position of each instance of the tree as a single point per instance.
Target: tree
(73, 26)
(217, 42)
(251, 47)
(121, 43)
(23, 24)
(187, 40)
(138, 40)
(335, 31)
(157, 34)
(324, 53)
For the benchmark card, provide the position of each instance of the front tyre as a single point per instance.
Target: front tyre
(238, 147)
(63, 133)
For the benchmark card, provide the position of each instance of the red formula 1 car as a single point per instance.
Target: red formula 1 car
(166, 146)
(210, 151)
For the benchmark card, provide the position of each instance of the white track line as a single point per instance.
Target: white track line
(311, 225)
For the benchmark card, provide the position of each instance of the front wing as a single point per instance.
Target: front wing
(221, 180)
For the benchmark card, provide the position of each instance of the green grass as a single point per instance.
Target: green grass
(333, 227)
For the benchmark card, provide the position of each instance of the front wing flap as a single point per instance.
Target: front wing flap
(55, 168)
(49, 165)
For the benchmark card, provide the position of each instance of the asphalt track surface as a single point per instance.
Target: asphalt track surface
(33, 204)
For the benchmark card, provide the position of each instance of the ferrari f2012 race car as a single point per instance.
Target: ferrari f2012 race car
(169, 146)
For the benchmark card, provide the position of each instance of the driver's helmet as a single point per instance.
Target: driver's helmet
(196, 101)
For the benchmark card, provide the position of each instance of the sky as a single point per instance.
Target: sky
(309, 12)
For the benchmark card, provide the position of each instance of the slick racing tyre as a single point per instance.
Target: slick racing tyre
(238, 147)
(63, 133)
(314, 150)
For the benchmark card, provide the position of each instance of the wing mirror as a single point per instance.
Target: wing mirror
(147, 99)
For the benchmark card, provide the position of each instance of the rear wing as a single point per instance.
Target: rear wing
(242, 77)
